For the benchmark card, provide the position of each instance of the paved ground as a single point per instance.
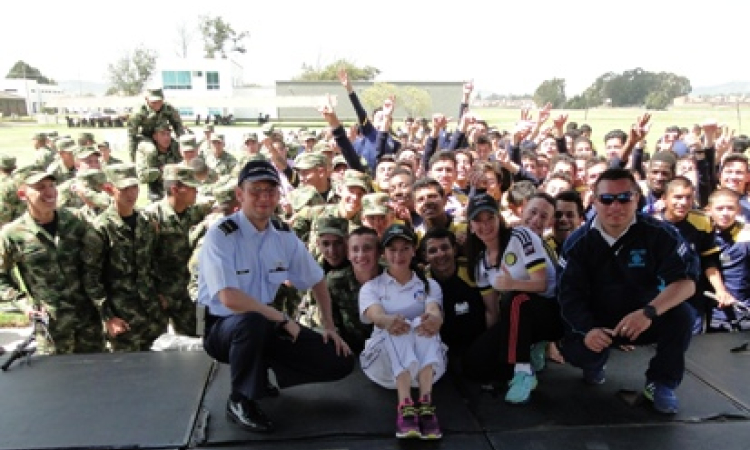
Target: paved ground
(10, 337)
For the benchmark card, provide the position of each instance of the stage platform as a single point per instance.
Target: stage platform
(176, 400)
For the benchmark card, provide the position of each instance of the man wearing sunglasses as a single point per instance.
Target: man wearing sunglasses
(624, 281)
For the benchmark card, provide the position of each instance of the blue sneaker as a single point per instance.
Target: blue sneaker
(538, 356)
(663, 397)
(594, 377)
(520, 388)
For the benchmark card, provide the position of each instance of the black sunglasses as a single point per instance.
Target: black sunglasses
(621, 198)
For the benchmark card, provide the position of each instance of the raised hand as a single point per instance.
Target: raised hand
(640, 128)
(389, 105)
(344, 79)
(545, 113)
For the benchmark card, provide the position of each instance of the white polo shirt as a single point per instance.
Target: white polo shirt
(409, 300)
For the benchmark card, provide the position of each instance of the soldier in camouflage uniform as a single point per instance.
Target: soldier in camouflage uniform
(118, 273)
(152, 158)
(92, 182)
(204, 143)
(11, 205)
(44, 245)
(225, 203)
(175, 215)
(143, 123)
(107, 159)
(64, 167)
(355, 186)
(73, 193)
(206, 176)
(43, 155)
(7, 166)
(312, 170)
(218, 159)
(376, 212)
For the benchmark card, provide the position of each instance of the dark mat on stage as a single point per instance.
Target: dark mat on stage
(711, 358)
(352, 407)
(562, 399)
(449, 442)
(134, 400)
(702, 436)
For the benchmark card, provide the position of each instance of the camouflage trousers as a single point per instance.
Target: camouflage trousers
(71, 333)
(144, 329)
(180, 310)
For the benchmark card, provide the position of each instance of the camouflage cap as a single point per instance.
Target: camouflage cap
(85, 152)
(217, 138)
(225, 194)
(183, 174)
(187, 143)
(322, 146)
(356, 178)
(122, 175)
(339, 159)
(86, 137)
(154, 94)
(93, 178)
(19, 174)
(308, 160)
(51, 134)
(305, 196)
(163, 125)
(65, 145)
(268, 129)
(7, 162)
(332, 225)
(39, 136)
(375, 204)
(35, 176)
(250, 137)
(102, 144)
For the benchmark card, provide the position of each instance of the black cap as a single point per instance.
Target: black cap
(398, 230)
(258, 170)
(481, 202)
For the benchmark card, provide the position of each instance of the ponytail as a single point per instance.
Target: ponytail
(417, 269)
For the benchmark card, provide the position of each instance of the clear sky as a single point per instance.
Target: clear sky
(506, 47)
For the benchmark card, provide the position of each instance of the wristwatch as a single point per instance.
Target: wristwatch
(650, 312)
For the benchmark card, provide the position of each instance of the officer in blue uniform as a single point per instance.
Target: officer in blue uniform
(244, 259)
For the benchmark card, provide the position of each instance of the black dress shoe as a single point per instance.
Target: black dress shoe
(248, 415)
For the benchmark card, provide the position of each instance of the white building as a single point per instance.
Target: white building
(35, 94)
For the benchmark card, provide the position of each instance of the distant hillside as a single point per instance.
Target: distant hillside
(75, 87)
(735, 87)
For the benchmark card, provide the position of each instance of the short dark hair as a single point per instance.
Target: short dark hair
(443, 155)
(544, 196)
(735, 157)
(482, 139)
(616, 134)
(679, 181)
(616, 174)
(436, 233)
(427, 182)
(572, 197)
(585, 128)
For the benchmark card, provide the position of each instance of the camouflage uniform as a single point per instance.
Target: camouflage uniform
(112, 161)
(149, 163)
(344, 290)
(143, 122)
(7, 164)
(172, 252)
(84, 189)
(224, 164)
(311, 160)
(304, 224)
(44, 157)
(118, 271)
(51, 270)
(11, 206)
(92, 182)
(57, 167)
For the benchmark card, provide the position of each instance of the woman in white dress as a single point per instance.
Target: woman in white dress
(405, 349)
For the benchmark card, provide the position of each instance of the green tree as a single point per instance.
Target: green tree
(634, 87)
(129, 74)
(416, 101)
(21, 70)
(577, 102)
(330, 71)
(373, 96)
(658, 100)
(551, 91)
(219, 37)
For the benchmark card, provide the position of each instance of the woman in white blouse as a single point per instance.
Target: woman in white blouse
(404, 350)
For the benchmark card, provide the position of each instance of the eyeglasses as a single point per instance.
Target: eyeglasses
(257, 192)
(566, 214)
(621, 198)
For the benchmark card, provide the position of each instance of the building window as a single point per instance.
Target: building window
(212, 81)
(214, 111)
(176, 80)
(186, 112)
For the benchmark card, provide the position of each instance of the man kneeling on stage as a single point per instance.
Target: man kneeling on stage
(244, 259)
(624, 282)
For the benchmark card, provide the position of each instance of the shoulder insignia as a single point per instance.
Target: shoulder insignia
(280, 225)
(229, 226)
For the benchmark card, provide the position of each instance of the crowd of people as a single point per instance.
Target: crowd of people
(416, 248)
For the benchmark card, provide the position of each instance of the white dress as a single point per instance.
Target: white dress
(386, 356)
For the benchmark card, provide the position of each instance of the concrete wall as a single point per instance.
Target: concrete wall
(446, 97)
